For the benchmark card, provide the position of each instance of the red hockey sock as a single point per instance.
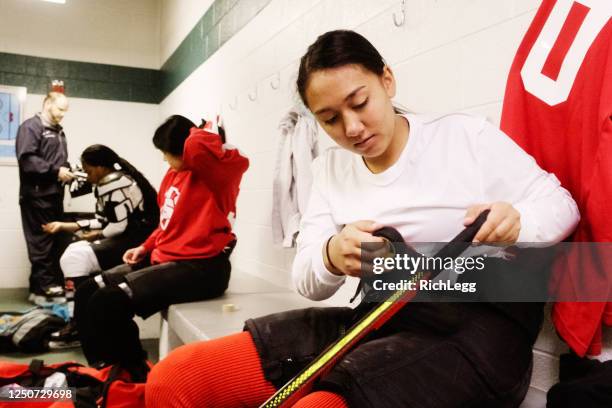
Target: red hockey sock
(224, 372)
(321, 399)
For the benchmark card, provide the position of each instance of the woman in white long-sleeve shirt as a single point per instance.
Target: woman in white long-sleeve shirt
(428, 177)
(450, 168)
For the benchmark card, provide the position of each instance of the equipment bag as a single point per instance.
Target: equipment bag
(109, 387)
(28, 331)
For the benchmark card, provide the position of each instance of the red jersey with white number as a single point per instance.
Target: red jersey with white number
(197, 202)
(558, 107)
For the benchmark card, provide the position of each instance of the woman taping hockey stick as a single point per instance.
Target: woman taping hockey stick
(426, 177)
(376, 317)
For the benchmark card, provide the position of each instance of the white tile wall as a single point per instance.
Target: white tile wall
(125, 127)
(109, 31)
(430, 81)
(449, 55)
(521, 6)
(486, 57)
(180, 16)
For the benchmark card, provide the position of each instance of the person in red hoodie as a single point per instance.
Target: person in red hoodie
(185, 259)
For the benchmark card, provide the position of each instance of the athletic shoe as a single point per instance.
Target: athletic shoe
(36, 299)
(68, 333)
(41, 300)
(51, 294)
(54, 291)
(61, 345)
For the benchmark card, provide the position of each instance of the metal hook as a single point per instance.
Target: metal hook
(234, 105)
(253, 95)
(402, 18)
(275, 82)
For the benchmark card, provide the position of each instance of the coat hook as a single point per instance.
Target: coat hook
(400, 21)
(234, 105)
(253, 95)
(275, 82)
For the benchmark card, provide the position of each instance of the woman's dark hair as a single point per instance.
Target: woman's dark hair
(104, 156)
(171, 135)
(335, 49)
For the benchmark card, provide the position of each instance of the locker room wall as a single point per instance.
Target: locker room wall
(108, 32)
(448, 56)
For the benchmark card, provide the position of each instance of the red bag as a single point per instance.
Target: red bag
(110, 387)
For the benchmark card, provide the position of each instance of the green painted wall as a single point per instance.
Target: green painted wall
(81, 79)
(221, 21)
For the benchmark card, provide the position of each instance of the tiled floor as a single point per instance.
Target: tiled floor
(15, 300)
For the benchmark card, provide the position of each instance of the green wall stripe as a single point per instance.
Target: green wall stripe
(222, 20)
(81, 79)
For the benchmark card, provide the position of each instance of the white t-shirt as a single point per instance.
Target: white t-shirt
(449, 163)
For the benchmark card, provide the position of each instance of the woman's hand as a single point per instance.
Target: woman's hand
(345, 252)
(134, 255)
(502, 226)
(56, 226)
(52, 227)
(64, 174)
(92, 235)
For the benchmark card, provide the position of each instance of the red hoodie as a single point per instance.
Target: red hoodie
(196, 202)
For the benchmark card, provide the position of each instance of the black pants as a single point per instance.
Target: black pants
(109, 251)
(104, 315)
(430, 355)
(583, 383)
(44, 250)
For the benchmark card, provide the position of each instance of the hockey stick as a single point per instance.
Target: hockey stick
(301, 384)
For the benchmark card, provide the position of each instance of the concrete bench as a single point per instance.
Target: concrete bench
(252, 296)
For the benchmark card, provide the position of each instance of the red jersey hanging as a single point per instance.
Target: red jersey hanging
(558, 107)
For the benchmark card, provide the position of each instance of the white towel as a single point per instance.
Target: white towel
(297, 147)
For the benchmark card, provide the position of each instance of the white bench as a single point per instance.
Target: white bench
(253, 297)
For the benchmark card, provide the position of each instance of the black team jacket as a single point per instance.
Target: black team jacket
(41, 151)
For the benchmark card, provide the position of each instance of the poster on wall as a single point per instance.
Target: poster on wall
(12, 101)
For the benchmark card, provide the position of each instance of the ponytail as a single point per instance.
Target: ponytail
(149, 195)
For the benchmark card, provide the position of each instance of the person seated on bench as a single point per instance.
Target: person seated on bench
(427, 177)
(186, 258)
(126, 214)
